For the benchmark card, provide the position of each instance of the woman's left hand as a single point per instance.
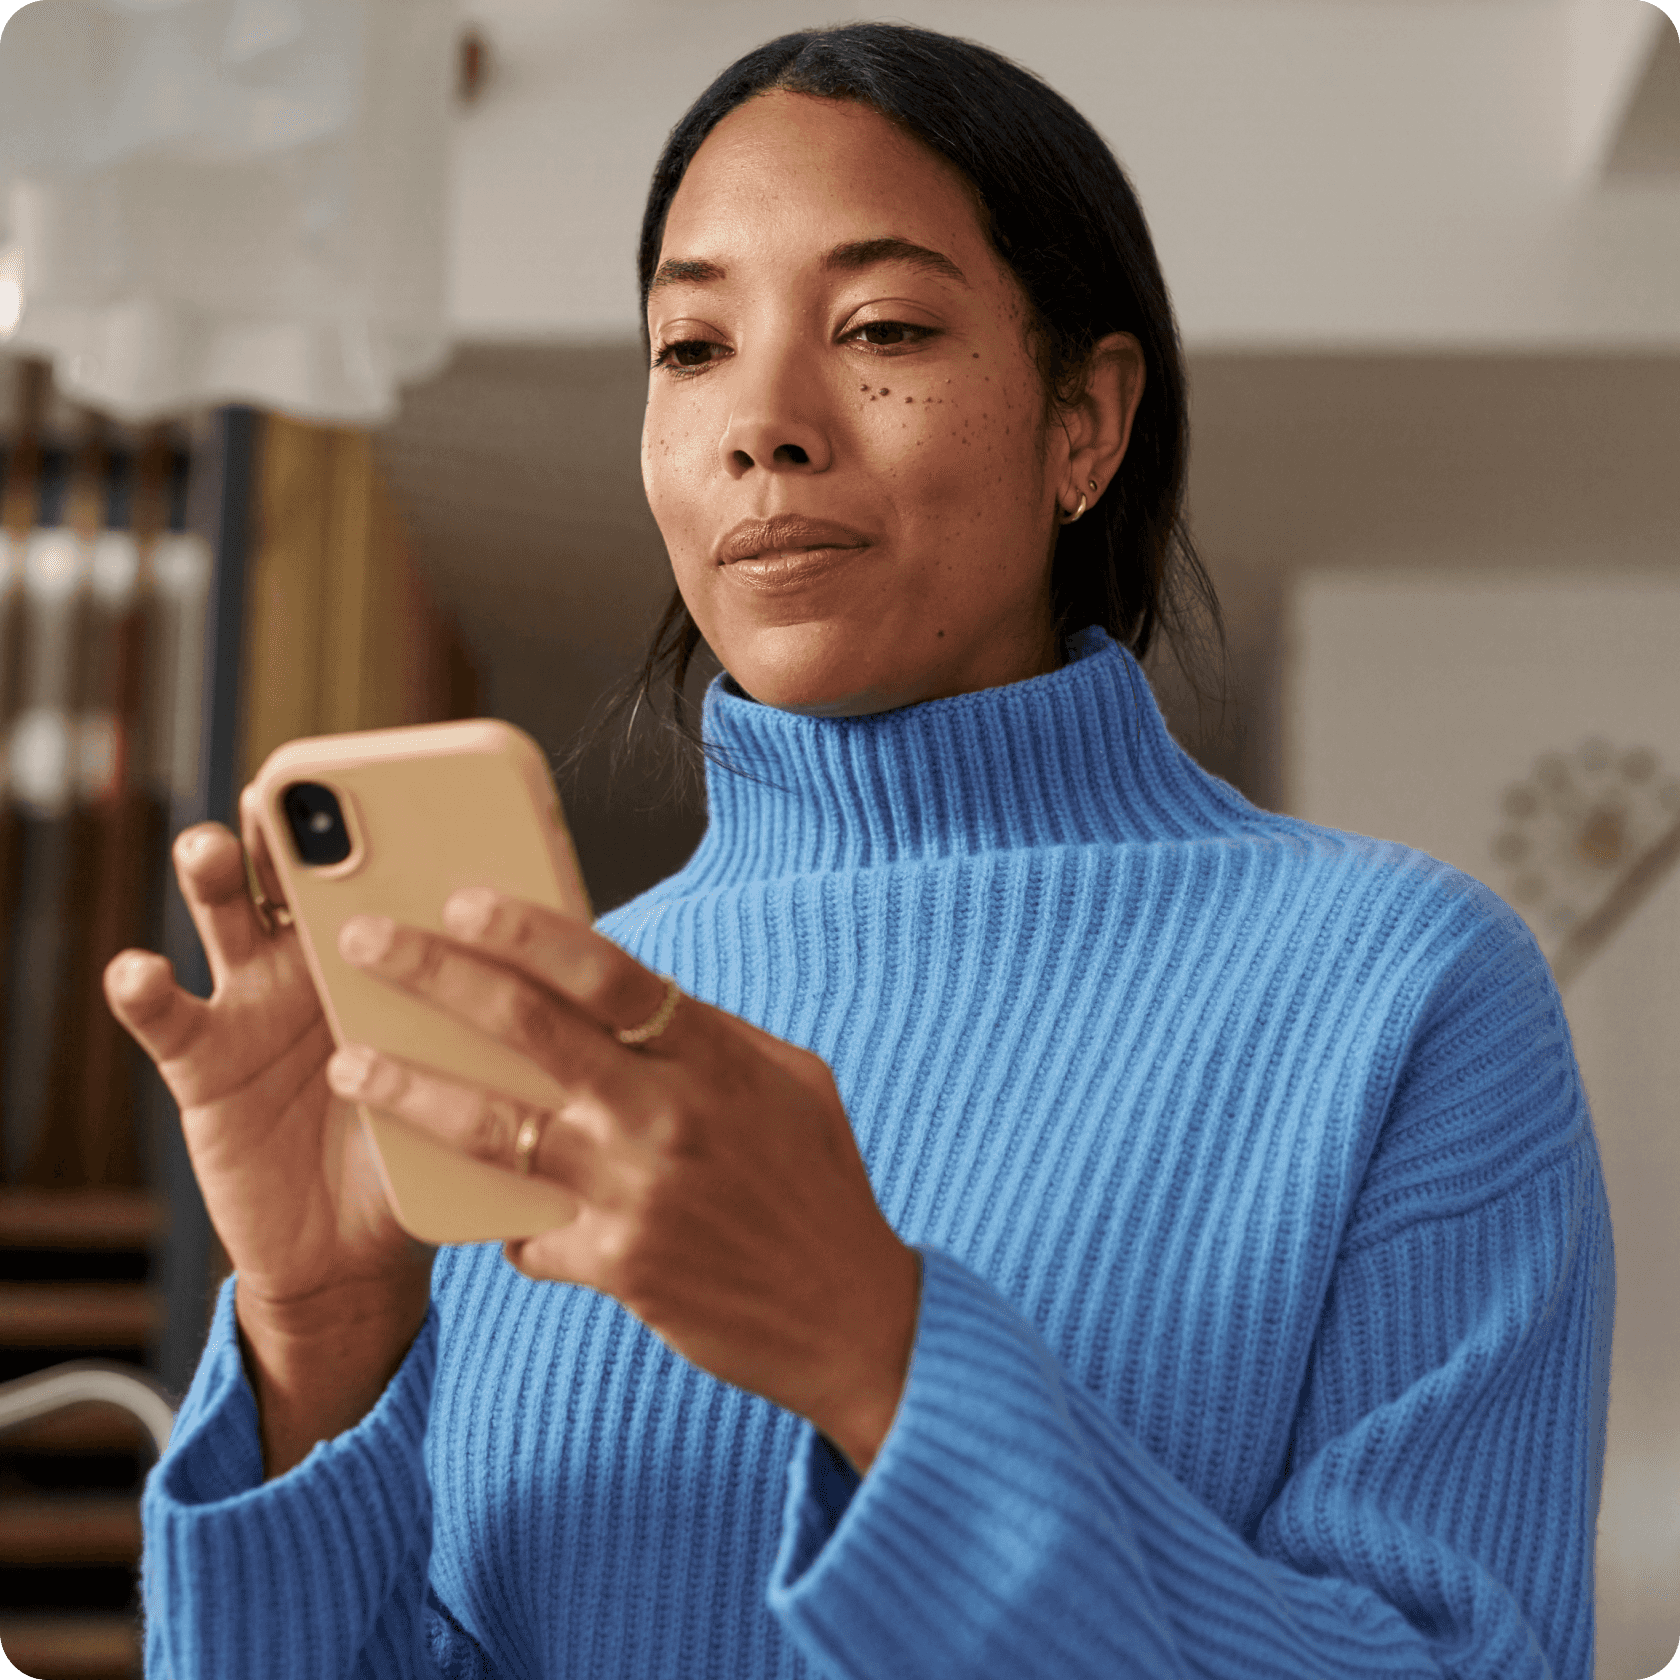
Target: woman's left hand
(724, 1201)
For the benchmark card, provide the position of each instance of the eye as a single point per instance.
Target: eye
(892, 335)
(687, 355)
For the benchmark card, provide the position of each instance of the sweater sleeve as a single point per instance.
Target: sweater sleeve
(321, 1571)
(1439, 1514)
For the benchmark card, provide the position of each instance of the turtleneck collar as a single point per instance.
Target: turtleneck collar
(1078, 756)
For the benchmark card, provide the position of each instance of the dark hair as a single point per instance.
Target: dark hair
(1063, 218)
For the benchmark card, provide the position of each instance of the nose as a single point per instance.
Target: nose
(774, 423)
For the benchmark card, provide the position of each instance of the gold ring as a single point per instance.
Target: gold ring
(657, 1022)
(272, 915)
(525, 1145)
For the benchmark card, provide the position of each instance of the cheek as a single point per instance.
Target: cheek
(675, 474)
(960, 447)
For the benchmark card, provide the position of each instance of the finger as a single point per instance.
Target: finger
(568, 956)
(164, 1019)
(210, 865)
(483, 1124)
(568, 1254)
(508, 1005)
(256, 847)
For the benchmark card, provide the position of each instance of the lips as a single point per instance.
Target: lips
(786, 533)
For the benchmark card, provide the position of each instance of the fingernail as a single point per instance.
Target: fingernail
(127, 974)
(365, 939)
(196, 846)
(468, 911)
(349, 1068)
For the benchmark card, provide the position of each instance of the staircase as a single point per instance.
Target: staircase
(74, 1267)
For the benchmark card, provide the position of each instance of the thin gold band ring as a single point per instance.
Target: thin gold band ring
(531, 1127)
(525, 1145)
(657, 1022)
(271, 915)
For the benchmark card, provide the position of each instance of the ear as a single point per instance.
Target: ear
(1097, 424)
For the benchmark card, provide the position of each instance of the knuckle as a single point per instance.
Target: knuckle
(595, 968)
(515, 1012)
(489, 1128)
(621, 1251)
(617, 1245)
(513, 924)
(388, 1084)
(668, 1126)
(420, 960)
(498, 1008)
(593, 976)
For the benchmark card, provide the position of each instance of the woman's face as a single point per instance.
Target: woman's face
(845, 445)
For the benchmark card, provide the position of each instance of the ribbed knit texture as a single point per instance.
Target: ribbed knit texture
(1267, 1279)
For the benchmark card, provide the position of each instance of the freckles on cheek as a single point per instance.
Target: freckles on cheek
(676, 494)
(943, 439)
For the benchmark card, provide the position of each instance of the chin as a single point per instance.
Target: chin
(817, 699)
(809, 669)
(839, 694)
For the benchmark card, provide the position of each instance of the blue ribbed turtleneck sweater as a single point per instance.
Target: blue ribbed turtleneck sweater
(1266, 1294)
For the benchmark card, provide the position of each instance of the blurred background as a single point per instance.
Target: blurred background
(320, 403)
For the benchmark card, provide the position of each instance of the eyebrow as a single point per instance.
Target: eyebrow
(849, 258)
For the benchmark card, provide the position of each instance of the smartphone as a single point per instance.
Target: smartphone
(390, 822)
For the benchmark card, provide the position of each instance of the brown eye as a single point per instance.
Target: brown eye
(688, 353)
(890, 335)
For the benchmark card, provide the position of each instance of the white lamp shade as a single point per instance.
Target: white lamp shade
(229, 200)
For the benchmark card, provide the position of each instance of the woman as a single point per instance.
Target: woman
(1068, 1222)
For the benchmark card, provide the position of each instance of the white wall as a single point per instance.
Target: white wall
(1319, 174)
(1413, 700)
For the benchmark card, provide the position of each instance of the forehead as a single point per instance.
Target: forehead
(790, 167)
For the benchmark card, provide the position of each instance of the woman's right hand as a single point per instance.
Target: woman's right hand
(330, 1289)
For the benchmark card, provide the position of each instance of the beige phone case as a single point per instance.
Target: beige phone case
(428, 809)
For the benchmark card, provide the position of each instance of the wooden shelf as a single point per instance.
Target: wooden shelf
(79, 1315)
(93, 1647)
(79, 1528)
(79, 1219)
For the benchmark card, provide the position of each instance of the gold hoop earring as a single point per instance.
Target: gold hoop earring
(1068, 518)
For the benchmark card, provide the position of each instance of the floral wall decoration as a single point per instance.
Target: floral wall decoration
(1584, 840)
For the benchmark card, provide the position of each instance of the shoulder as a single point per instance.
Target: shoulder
(1390, 887)
(1406, 897)
(1474, 1086)
(1417, 957)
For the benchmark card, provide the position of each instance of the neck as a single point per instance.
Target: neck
(1031, 659)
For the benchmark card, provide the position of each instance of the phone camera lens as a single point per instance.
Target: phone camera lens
(316, 822)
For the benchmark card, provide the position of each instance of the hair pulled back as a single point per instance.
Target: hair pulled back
(1062, 216)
